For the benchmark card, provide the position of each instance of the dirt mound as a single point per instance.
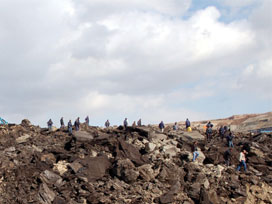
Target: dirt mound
(136, 165)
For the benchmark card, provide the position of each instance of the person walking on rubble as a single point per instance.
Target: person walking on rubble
(195, 151)
(221, 132)
(161, 126)
(50, 124)
(77, 124)
(125, 123)
(187, 123)
(87, 120)
(229, 139)
(227, 156)
(70, 127)
(175, 126)
(134, 124)
(61, 123)
(139, 122)
(242, 160)
(209, 131)
(107, 124)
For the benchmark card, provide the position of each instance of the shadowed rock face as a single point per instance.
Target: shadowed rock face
(136, 165)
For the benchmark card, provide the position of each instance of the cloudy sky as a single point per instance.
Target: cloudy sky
(156, 59)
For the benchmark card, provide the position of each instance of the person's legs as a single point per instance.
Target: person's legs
(231, 144)
(239, 166)
(244, 164)
(195, 155)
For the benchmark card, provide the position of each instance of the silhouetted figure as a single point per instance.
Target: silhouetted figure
(139, 123)
(161, 126)
(209, 131)
(50, 124)
(222, 132)
(62, 123)
(70, 127)
(107, 124)
(87, 120)
(230, 139)
(77, 124)
(227, 156)
(125, 123)
(187, 123)
(134, 124)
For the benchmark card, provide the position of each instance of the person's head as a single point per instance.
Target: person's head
(176, 123)
(244, 151)
(230, 149)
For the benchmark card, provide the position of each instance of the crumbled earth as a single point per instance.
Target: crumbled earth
(136, 165)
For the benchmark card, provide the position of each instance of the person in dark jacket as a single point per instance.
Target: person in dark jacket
(222, 132)
(107, 124)
(227, 156)
(61, 123)
(161, 126)
(77, 124)
(187, 123)
(139, 123)
(209, 131)
(49, 124)
(230, 139)
(125, 123)
(70, 127)
(87, 120)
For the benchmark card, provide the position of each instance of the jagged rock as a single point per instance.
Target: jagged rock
(192, 136)
(46, 196)
(125, 170)
(130, 152)
(170, 150)
(51, 178)
(96, 167)
(157, 138)
(149, 147)
(75, 166)
(22, 139)
(146, 172)
(26, 122)
(82, 136)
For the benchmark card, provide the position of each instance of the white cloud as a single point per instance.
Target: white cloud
(136, 58)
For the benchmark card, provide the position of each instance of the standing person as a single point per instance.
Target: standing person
(49, 124)
(161, 126)
(134, 124)
(139, 123)
(70, 127)
(107, 124)
(61, 123)
(125, 123)
(227, 156)
(209, 131)
(77, 124)
(187, 123)
(195, 151)
(229, 139)
(175, 126)
(242, 160)
(87, 120)
(222, 132)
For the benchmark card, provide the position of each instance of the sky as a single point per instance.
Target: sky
(155, 60)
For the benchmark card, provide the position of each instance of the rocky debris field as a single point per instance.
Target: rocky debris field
(137, 165)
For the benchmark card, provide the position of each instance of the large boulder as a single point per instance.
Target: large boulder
(192, 136)
(95, 167)
(82, 136)
(125, 170)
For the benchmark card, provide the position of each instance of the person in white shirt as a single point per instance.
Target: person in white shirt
(242, 160)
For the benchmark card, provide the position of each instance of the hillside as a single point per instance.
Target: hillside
(136, 165)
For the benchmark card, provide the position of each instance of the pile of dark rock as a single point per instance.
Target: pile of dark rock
(136, 165)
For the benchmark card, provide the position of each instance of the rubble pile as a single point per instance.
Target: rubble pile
(136, 165)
